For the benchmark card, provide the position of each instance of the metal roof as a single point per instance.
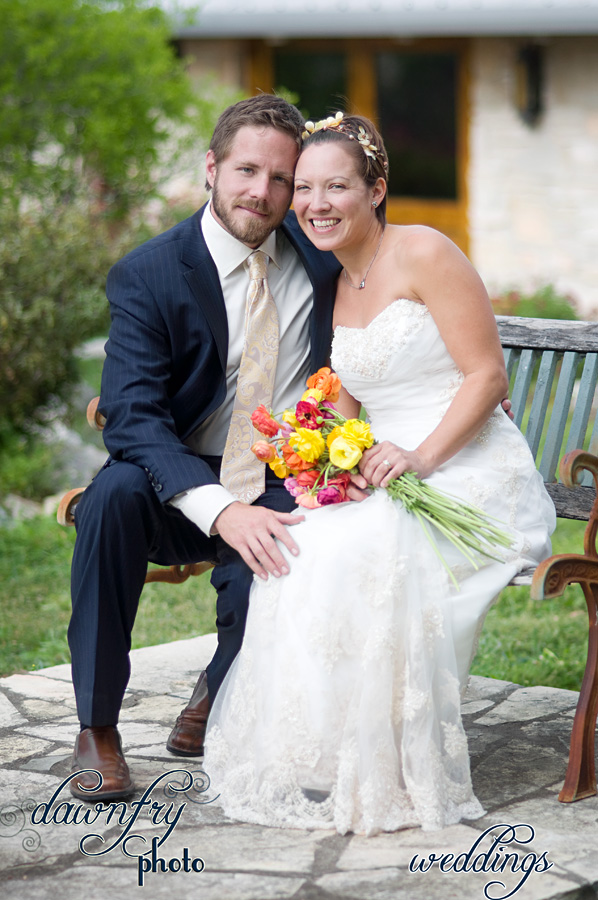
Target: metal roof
(272, 19)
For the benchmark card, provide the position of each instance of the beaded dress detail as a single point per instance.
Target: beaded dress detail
(342, 709)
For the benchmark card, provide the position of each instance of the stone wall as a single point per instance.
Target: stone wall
(534, 190)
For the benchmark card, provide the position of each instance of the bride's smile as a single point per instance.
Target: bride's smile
(332, 202)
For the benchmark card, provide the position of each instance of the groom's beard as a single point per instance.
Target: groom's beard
(246, 229)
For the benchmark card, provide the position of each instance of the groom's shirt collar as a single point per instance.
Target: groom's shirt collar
(227, 252)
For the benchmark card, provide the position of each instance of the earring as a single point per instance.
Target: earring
(374, 204)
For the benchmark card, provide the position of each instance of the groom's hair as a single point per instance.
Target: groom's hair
(263, 111)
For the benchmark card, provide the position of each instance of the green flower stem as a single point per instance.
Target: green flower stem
(435, 548)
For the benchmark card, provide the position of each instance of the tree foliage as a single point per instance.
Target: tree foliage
(90, 90)
(96, 109)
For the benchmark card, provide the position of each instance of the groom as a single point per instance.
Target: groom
(168, 389)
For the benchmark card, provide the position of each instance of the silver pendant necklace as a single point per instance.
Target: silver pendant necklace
(361, 285)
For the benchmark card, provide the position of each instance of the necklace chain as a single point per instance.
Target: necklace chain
(361, 285)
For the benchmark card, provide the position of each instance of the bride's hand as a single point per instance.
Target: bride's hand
(385, 461)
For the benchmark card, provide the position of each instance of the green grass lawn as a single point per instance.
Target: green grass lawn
(522, 641)
(35, 603)
(538, 642)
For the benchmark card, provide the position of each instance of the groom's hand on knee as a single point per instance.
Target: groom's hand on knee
(253, 531)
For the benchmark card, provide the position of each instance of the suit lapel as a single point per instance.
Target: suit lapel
(202, 278)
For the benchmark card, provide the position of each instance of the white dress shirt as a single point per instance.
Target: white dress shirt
(293, 295)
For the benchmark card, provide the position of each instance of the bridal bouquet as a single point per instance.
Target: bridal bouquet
(316, 450)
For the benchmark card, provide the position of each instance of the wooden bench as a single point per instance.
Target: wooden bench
(553, 366)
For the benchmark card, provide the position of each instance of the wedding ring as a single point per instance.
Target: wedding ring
(387, 464)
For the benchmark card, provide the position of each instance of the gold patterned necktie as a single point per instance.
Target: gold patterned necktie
(242, 473)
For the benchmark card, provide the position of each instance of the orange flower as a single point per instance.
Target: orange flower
(264, 451)
(293, 460)
(327, 381)
(309, 501)
(263, 421)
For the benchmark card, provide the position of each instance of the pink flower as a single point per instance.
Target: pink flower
(324, 407)
(264, 451)
(292, 487)
(329, 495)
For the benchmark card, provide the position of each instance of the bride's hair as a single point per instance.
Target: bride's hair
(363, 141)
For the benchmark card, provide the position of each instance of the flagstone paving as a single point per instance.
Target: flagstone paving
(518, 738)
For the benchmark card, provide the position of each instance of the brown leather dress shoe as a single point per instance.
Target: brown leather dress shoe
(187, 736)
(100, 749)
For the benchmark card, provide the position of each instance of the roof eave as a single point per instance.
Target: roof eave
(397, 24)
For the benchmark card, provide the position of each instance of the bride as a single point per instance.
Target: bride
(343, 707)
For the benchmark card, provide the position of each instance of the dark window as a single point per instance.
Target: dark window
(417, 118)
(319, 80)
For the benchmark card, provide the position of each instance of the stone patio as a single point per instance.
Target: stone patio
(518, 739)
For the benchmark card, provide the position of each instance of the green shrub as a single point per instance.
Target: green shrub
(545, 303)
(52, 271)
(53, 267)
(27, 466)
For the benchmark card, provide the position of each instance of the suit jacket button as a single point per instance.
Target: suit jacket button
(157, 488)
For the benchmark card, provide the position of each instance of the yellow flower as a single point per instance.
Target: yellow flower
(278, 467)
(290, 418)
(358, 431)
(344, 453)
(307, 443)
(316, 393)
(336, 431)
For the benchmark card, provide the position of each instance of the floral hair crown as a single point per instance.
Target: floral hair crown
(362, 137)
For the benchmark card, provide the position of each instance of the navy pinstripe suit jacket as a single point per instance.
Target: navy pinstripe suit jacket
(167, 349)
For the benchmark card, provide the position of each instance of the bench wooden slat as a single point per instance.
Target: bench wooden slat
(583, 409)
(583, 404)
(511, 356)
(541, 400)
(558, 420)
(523, 379)
(572, 503)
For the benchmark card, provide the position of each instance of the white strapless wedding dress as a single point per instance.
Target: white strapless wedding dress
(343, 707)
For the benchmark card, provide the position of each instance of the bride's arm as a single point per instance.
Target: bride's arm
(347, 405)
(442, 277)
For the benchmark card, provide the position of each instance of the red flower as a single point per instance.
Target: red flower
(263, 421)
(308, 478)
(307, 414)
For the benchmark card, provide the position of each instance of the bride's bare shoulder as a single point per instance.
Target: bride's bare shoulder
(420, 239)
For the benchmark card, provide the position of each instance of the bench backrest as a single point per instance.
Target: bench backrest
(553, 370)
